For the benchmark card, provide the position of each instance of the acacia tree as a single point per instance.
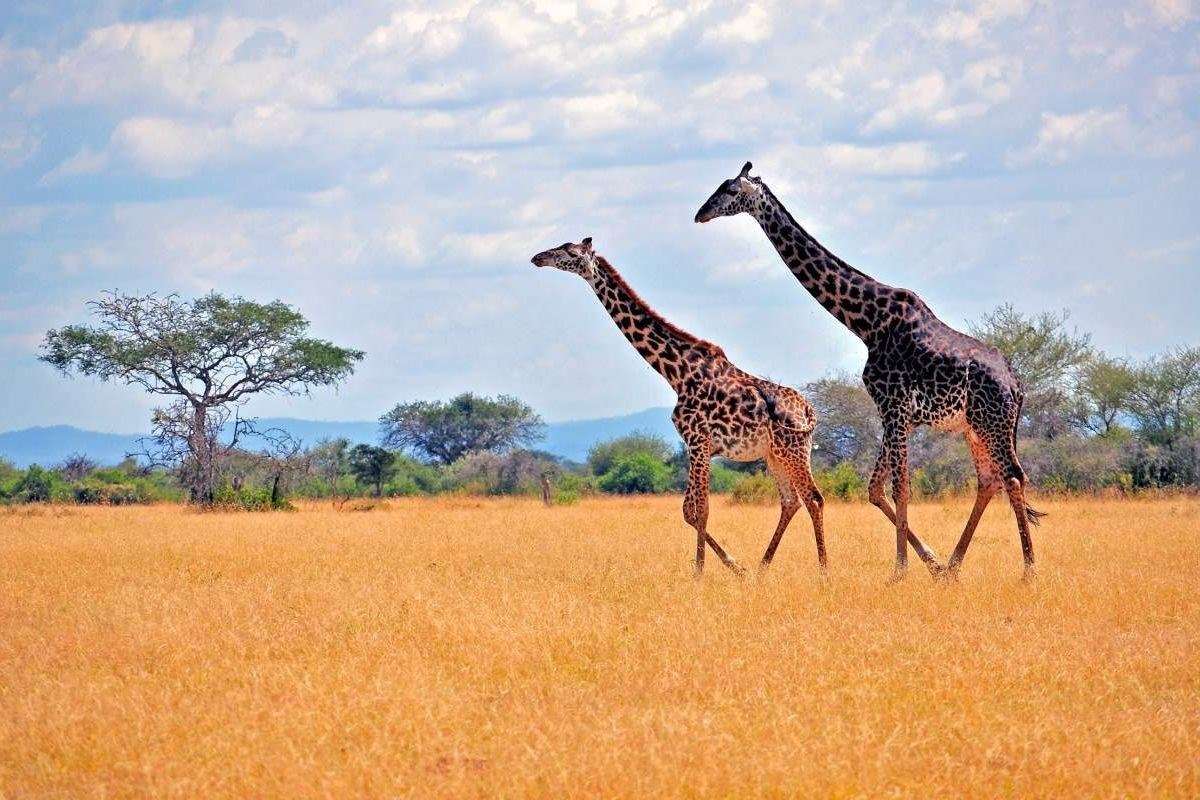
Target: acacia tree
(1045, 355)
(210, 355)
(468, 423)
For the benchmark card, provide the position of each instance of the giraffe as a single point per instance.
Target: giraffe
(721, 410)
(919, 371)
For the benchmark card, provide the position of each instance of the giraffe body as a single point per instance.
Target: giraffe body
(919, 371)
(721, 410)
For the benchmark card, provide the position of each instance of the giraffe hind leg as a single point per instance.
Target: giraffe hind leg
(988, 484)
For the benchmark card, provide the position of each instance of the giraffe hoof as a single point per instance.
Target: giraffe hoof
(1030, 574)
(737, 569)
(897, 576)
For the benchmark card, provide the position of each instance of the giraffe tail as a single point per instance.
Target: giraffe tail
(1034, 516)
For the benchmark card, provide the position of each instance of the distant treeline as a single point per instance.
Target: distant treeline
(1091, 423)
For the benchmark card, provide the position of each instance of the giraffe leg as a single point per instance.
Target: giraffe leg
(988, 484)
(896, 438)
(789, 503)
(695, 510)
(806, 487)
(1014, 483)
(876, 493)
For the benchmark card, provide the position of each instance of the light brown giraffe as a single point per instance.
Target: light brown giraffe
(721, 410)
(919, 371)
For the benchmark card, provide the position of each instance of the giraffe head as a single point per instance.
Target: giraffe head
(739, 193)
(569, 257)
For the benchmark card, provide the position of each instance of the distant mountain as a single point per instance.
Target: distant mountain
(572, 439)
(50, 445)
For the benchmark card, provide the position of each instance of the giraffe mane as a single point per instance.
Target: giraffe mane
(671, 327)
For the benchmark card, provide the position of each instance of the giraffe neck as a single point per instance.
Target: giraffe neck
(663, 346)
(854, 298)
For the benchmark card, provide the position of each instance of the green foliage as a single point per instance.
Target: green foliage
(570, 487)
(38, 485)
(636, 473)
(722, 478)
(468, 423)
(410, 477)
(604, 455)
(372, 466)
(248, 498)
(755, 489)
(843, 481)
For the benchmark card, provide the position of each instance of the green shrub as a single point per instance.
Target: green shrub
(722, 479)
(247, 498)
(755, 489)
(636, 473)
(605, 455)
(570, 487)
(842, 481)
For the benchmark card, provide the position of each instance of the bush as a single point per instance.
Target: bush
(757, 489)
(636, 473)
(38, 485)
(605, 455)
(722, 479)
(410, 477)
(247, 498)
(842, 481)
(569, 487)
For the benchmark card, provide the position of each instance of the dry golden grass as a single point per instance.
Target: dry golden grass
(463, 648)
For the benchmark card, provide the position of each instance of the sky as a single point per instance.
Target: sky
(389, 168)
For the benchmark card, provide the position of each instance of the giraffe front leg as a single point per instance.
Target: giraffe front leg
(695, 510)
(876, 491)
(897, 448)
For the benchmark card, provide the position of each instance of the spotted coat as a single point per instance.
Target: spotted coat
(919, 370)
(720, 410)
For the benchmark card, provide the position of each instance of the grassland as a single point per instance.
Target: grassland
(470, 648)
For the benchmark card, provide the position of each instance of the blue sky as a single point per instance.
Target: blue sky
(389, 168)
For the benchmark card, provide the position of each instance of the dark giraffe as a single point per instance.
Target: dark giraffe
(721, 410)
(919, 371)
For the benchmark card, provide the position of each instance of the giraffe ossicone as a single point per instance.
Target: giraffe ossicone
(720, 410)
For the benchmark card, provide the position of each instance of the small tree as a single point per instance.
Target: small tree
(1044, 354)
(468, 423)
(210, 354)
(76, 467)
(849, 429)
(1103, 392)
(372, 465)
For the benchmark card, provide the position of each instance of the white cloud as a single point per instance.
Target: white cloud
(752, 25)
(85, 162)
(905, 158)
(1063, 137)
(17, 145)
(731, 88)
(1173, 13)
(168, 148)
(971, 26)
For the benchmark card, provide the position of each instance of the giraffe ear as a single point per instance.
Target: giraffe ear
(587, 244)
(745, 173)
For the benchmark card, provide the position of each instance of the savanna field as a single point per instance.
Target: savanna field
(497, 648)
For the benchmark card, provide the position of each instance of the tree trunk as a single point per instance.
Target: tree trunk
(202, 489)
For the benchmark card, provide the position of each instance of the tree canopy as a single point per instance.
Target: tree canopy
(211, 350)
(468, 423)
